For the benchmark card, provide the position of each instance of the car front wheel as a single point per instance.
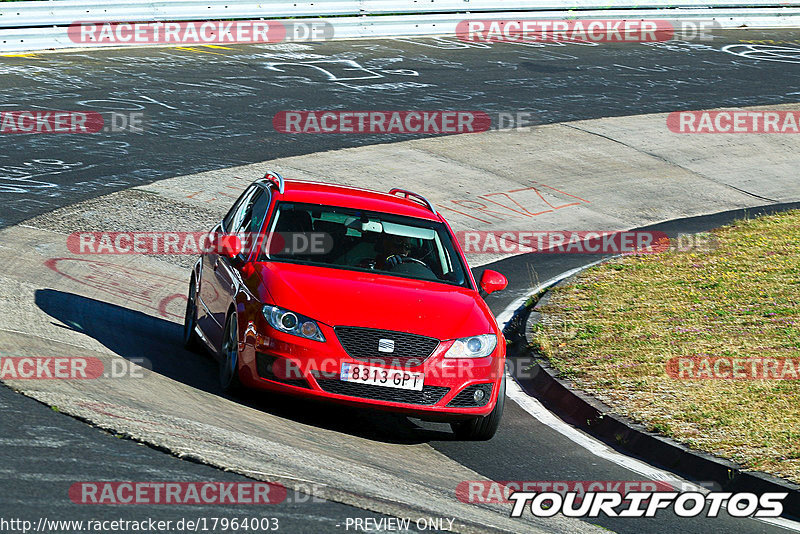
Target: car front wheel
(229, 363)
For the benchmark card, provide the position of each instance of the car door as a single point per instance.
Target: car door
(224, 275)
(211, 295)
(208, 293)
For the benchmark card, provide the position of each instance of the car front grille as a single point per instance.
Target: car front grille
(466, 398)
(429, 395)
(407, 350)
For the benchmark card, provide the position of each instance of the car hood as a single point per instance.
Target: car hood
(339, 297)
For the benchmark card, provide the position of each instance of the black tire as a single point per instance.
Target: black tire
(229, 361)
(191, 341)
(483, 428)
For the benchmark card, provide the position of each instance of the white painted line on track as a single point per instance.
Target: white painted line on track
(596, 447)
(535, 408)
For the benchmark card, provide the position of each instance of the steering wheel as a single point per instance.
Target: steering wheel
(407, 259)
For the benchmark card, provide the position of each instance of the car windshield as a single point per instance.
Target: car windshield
(350, 239)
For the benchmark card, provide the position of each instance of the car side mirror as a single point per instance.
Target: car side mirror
(492, 281)
(230, 246)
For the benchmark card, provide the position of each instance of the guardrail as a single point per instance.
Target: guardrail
(36, 25)
(65, 12)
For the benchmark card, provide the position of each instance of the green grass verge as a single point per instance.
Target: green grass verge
(615, 327)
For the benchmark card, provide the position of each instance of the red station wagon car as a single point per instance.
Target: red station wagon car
(352, 296)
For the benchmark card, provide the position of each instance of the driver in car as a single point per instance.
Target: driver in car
(393, 249)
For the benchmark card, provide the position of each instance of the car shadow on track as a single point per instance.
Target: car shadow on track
(157, 343)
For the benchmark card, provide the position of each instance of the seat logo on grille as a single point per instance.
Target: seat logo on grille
(385, 345)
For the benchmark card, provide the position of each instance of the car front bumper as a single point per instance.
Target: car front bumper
(293, 365)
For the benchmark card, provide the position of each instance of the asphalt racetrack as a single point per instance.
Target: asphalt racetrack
(208, 108)
(211, 108)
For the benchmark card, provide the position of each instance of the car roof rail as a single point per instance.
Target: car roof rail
(417, 196)
(275, 178)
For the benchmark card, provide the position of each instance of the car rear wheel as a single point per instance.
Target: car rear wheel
(191, 341)
(229, 363)
(483, 428)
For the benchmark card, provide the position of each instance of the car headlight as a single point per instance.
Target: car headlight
(292, 323)
(472, 347)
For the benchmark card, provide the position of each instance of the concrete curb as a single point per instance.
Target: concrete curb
(593, 416)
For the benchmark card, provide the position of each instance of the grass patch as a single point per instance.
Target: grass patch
(614, 329)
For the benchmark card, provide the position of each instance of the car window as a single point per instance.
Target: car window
(367, 241)
(233, 219)
(254, 213)
(249, 213)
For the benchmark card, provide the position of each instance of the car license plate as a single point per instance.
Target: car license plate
(378, 376)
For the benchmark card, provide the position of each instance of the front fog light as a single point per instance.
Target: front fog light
(478, 395)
